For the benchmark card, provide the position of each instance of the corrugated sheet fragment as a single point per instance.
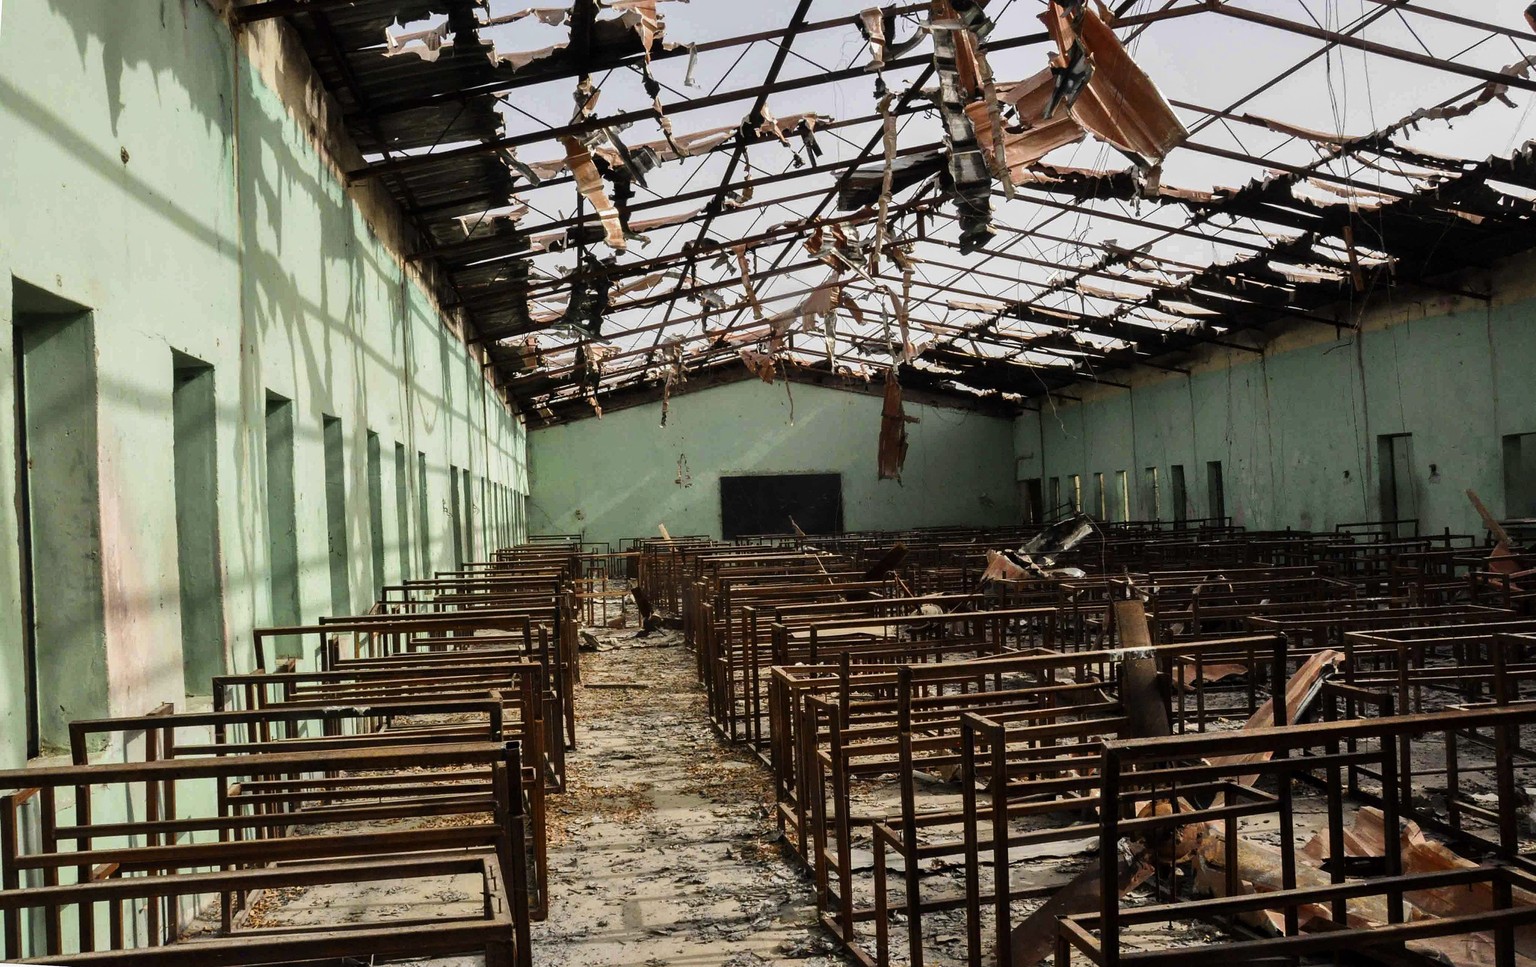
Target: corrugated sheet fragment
(893, 430)
(579, 160)
(426, 44)
(747, 288)
(1103, 88)
(970, 177)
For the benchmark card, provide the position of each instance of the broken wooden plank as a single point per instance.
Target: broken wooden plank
(1035, 937)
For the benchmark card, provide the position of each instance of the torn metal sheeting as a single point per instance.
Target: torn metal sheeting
(962, 134)
(893, 430)
(1118, 101)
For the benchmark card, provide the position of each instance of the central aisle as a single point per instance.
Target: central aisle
(662, 850)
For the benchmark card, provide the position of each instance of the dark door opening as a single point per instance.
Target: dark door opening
(765, 504)
(194, 454)
(1180, 497)
(282, 523)
(469, 519)
(1216, 491)
(1520, 475)
(457, 514)
(336, 514)
(402, 512)
(375, 456)
(24, 538)
(423, 519)
(1034, 501)
(58, 490)
(1398, 502)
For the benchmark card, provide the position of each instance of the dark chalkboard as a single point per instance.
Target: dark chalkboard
(764, 503)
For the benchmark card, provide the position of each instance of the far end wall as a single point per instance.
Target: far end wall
(622, 475)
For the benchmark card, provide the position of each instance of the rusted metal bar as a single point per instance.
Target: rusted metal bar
(533, 78)
(1228, 9)
(580, 128)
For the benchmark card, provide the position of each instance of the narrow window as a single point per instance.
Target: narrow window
(1056, 507)
(504, 515)
(376, 513)
(1180, 497)
(1123, 495)
(1216, 490)
(1399, 503)
(1520, 475)
(282, 525)
(1077, 493)
(485, 518)
(469, 517)
(195, 459)
(423, 516)
(1154, 494)
(402, 511)
(336, 514)
(1032, 501)
(1101, 493)
(456, 514)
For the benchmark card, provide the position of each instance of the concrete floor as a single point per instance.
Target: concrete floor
(663, 850)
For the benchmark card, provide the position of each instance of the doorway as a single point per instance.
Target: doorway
(58, 490)
(1399, 503)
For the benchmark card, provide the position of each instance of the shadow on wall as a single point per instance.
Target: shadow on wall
(288, 275)
(42, 118)
(311, 271)
(166, 37)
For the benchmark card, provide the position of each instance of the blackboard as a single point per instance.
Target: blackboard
(763, 504)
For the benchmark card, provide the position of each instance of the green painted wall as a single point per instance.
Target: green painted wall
(154, 175)
(617, 477)
(1297, 428)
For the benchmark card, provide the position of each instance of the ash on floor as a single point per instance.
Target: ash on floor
(664, 852)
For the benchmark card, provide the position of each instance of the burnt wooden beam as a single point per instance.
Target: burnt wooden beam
(449, 250)
(646, 266)
(272, 9)
(725, 374)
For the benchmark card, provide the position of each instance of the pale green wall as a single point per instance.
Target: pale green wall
(615, 477)
(1287, 426)
(225, 236)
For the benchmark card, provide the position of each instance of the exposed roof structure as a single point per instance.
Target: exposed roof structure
(621, 195)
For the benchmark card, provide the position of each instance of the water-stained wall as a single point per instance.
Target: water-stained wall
(178, 185)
